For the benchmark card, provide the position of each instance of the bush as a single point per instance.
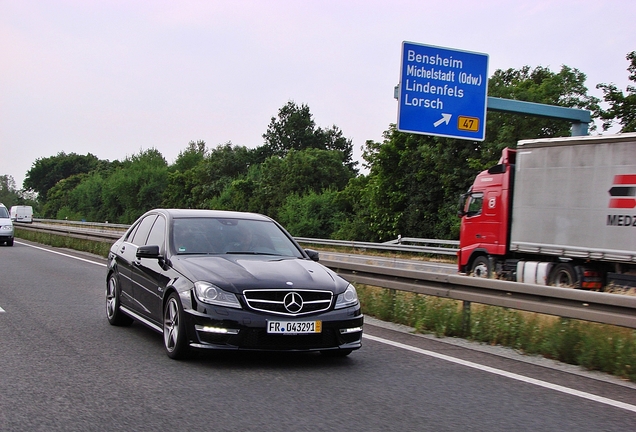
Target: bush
(314, 215)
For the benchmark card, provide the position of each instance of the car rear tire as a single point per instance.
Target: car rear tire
(114, 314)
(564, 275)
(174, 331)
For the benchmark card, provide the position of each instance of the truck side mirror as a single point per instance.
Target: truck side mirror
(462, 205)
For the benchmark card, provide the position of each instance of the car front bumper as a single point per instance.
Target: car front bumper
(226, 329)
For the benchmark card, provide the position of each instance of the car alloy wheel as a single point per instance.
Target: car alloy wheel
(113, 312)
(174, 334)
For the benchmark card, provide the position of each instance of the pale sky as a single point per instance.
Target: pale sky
(115, 77)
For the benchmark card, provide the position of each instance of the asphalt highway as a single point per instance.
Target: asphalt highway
(64, 368)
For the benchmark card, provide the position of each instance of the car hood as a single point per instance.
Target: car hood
(236, 273)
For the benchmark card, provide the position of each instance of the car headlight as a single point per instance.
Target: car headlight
(211, 294)
(348, 298)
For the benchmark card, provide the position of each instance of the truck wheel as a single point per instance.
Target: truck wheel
(563, 275)
(481, 267)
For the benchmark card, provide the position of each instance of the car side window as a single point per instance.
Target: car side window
(131, 233)
(158, 233)
(141, 234)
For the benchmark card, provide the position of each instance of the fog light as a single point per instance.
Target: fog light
(216, 330)
(351, 330)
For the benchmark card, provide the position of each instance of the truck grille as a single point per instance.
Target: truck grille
(291, 302)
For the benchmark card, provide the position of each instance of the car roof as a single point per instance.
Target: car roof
(199, 213)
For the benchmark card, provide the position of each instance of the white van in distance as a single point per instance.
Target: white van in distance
(22, 214)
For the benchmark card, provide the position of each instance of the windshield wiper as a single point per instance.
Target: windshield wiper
(252, 253)
(197, 253)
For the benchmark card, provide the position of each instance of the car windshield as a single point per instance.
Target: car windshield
(230, 236)
(4, 213)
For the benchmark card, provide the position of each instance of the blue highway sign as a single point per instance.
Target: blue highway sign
(443, 92)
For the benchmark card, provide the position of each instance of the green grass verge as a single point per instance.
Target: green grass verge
(94, 247)
(601, 347)
(594, 346)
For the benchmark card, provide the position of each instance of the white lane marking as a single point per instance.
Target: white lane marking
(63, 254)
(540, 383)
(2, 310)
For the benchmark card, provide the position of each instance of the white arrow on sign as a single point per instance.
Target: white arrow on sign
(445, 119)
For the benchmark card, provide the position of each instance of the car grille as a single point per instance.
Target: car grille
(288, 302)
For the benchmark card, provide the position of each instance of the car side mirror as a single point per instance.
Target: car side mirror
(148, 251)
(312, 254)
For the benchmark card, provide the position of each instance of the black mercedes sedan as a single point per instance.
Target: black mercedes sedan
(209, 279)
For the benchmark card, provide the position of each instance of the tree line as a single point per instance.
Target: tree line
(304, 175)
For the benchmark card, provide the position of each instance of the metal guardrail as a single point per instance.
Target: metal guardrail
(599, 307)
(99, 225)
(76, 230)
(604, 308)
(391, 246)
(426, 246)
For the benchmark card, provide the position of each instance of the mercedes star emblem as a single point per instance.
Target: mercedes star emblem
(293, 302)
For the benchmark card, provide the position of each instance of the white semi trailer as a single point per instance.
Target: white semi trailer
(559, 211)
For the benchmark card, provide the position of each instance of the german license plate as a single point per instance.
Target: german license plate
(294, 327)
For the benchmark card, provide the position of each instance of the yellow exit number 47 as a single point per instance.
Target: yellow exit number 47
(468, 123)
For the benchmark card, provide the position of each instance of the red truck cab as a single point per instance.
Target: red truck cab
(485, 211)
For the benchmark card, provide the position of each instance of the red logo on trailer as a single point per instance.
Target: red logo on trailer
(623, 192)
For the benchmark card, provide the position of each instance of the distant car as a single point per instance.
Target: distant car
(220, 280)
(6, 226)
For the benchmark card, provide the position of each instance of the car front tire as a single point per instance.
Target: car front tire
(174, 332)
